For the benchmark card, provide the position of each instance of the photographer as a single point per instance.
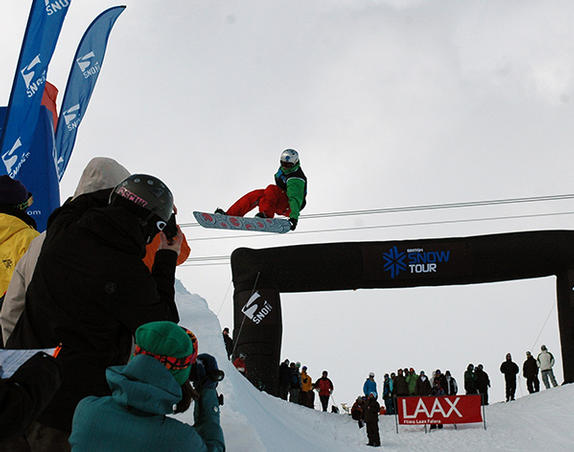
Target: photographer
(144, 391)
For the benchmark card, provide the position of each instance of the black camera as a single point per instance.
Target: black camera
(170, 229)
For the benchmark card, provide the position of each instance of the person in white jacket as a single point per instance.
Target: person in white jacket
(100, 173)
(545, 362)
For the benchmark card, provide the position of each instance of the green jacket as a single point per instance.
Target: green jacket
(412, 382)
(134, 417)
(294, 182)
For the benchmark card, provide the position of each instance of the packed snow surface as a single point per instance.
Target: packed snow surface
(254, 421)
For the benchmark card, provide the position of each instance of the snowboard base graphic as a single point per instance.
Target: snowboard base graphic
(220, 221)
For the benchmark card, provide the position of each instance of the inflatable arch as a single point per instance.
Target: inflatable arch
(259, 276)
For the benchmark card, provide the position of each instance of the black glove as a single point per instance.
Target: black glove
(293, 222)
(205, 374)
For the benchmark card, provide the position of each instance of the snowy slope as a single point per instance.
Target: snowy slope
(254, 421)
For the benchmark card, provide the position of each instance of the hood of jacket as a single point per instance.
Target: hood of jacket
(100, 173)
(144, 384)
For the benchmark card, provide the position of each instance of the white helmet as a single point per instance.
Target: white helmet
(290, 157)
(371, 374)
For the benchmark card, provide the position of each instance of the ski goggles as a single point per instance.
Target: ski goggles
(171, 362)
(25, 204)
(286, 164)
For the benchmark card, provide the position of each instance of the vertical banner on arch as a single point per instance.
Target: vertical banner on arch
(84, 73)
(42, 31)
(257, 333)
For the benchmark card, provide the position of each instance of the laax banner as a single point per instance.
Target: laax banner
(461, 409)
(84, 73)
(42, 31)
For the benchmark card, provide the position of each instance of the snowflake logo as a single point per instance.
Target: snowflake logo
(394, 261)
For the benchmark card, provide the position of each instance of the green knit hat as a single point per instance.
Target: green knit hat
(172, 345)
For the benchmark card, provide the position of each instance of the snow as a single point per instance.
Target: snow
(255, 421)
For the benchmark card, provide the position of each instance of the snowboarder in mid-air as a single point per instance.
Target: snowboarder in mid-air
(286, 197)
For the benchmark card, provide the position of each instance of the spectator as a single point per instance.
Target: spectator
(294, 383)
(357, 411)
(437, 391)
(400, 386)
(90, 291)
(18, 229)
(372, 408)
(482, 383)
(307, 396)
(99, 174)
(509, 368)
(438, 375)
(451, 386)
(23, 396)
(412, 378)
(284, 379)
(146, 390)
(423, 386)
(470, 380)
(240, 364)
(370, 385)
(388, 394)
(545, 363)
(228, 342)
(530, 372)
(325, 387)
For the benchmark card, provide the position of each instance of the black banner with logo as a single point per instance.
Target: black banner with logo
(392, 264)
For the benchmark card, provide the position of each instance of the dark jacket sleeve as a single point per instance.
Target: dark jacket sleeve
(163, 271)
(25, 395)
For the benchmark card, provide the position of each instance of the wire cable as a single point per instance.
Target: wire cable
(454, 205)
(385, 226)
(200, 259)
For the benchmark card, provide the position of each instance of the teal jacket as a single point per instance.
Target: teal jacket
(134, 417)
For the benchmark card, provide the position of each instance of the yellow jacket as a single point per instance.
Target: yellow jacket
(15, 236)
(306, 382)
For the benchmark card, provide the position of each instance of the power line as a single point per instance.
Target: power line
(400, 225)
(454, 205)
(384, 226)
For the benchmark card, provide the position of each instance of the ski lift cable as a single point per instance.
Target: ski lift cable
(454, 205)
(197, 261)
(385, 226)
(544, 324)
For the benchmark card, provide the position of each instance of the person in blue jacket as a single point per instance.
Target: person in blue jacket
(146, 390)
(370, 386)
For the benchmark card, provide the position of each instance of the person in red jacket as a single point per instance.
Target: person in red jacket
(325, 387)
(239, 364)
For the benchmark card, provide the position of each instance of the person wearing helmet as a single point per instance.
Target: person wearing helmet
(239, 364)
(370, 385)
(286, 197)
(91, 290)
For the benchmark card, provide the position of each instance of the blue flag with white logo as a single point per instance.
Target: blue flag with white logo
(39, 173)
(42, 31)
(84, 73)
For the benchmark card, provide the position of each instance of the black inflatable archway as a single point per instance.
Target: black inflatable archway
(259, 276)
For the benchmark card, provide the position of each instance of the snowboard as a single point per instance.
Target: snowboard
(221, 221)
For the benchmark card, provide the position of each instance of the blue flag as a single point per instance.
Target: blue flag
(42, 31)
(39, 173)
(84, 73)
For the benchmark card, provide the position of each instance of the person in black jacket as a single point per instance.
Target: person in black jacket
(530, 372)
(482, 383)
(24, 395)
(284, 379)
(91, 291)
(228, 342)
(423, 386)
(371, 414)
(509, 368)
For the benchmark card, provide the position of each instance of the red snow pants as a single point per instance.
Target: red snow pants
(271, 201)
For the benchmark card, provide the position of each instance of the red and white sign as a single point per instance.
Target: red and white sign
(461, 409)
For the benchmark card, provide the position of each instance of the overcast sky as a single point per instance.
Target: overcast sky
(390, 103)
